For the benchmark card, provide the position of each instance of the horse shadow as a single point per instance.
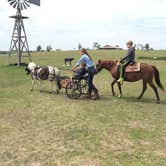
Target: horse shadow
(143, 100)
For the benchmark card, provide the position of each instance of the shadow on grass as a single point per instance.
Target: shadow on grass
(103, 98)
(16, 64)
(143, 100)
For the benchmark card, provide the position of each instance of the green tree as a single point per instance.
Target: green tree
(147, 47)
(39, 48)
(48, 48)
(96, 45)
(79, 46)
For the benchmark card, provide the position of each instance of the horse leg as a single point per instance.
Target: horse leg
(120, 88)
(143, 90)
(156, 91)
(33, 84)
(39, 83)
(50, 86)
(57, 87)
(112, 86)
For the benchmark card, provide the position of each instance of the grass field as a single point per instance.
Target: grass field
(39, 129)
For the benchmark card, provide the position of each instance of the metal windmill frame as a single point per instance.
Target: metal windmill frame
(19, 43)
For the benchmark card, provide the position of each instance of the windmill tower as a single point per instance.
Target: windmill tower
(19, 42)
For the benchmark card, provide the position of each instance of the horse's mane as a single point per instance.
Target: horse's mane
(109, 62)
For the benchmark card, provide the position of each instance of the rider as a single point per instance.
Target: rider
(128, 59)
(86, 59)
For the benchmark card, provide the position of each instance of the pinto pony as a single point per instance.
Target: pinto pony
(43, 73)
(147, 73)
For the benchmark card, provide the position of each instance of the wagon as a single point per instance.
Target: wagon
(74, 88)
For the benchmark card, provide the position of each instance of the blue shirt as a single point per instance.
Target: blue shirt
(85, 59)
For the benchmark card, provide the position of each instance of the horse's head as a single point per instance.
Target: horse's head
(30, 68)
(99, 66)
(105, 64)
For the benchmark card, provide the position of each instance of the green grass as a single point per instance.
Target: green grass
(42, 129)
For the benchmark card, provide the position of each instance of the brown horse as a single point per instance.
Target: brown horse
(147, 73)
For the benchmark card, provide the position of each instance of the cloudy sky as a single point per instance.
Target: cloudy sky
(64, 23)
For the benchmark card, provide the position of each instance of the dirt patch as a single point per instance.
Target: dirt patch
(160, 153)
(138, 124)
(35, 164)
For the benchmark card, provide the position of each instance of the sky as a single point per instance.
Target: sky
(64, 23)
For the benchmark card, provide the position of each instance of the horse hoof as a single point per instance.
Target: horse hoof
(57, 92)
(50, 92)
(139, 98)
(157, 102)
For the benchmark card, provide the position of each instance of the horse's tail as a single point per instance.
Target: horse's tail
(157, 78)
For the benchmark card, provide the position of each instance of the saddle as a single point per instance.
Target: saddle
(135, 67)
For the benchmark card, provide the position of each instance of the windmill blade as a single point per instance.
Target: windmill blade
(21, 7)
(12, 2)
(26, 3)
(15, 5)
(25, 7)
(35, 2)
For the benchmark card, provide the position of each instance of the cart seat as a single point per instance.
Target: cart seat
(85, 76)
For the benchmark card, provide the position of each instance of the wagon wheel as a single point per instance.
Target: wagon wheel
(73, 90)
(84, 86)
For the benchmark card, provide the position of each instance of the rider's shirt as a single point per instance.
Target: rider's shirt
(85, 59)
(130, 57)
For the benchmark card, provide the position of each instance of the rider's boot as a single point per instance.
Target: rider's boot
(121, 79)
(96, 95)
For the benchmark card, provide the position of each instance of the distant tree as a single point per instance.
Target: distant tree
(139, 47)
(79, 46)
(147, 47)
(39, 48)
(58, 49)
(48, 48)
(96, 45)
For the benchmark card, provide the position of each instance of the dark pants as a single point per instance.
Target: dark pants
(91, 73)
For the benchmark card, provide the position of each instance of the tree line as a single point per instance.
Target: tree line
(95, 46)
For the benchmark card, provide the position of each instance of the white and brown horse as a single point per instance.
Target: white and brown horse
(43, 73)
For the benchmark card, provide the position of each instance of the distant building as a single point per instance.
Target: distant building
(109, 47)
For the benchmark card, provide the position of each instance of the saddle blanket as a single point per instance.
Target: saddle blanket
(136, 67)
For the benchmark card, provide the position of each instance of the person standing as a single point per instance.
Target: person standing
(87, 59)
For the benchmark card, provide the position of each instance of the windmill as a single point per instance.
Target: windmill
(19, 42)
